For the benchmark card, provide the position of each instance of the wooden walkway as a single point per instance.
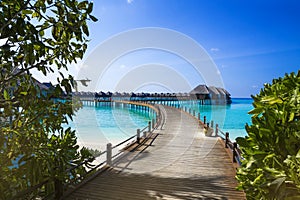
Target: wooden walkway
(180, 163)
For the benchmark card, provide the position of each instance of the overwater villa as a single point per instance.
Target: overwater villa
(206, 95)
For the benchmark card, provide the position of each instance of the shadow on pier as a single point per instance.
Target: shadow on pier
(115, 185)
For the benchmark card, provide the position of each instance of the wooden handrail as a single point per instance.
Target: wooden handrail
(236, 152)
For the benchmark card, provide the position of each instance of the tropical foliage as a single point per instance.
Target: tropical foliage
(35, 145)
(271, 151)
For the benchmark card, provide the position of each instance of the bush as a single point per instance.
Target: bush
(271, 151)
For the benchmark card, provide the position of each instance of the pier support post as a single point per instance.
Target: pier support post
(153, 123)
(145, 134)
(149, 126)
(217, 129)
(194, 113)
(190, 111)
(198, 116)
(226, 139)
(212, 124)
(138, 135)
(108, 154)
(234, 154)
(204, 120)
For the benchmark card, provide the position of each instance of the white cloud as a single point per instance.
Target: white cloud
(129, 1)
(122, 66)
(214, 49)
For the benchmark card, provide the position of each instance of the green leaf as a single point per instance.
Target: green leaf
(257, 179)
(291, 118)
(271, 100)
(94, 19)
(90, 8)
(42, 33)
(298, 154)
(242, 142)
(35, 14)
(6, 95)
(27, 12)
(85, 29)
(256, 111)
(82, 4)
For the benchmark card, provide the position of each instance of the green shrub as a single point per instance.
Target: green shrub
(271, 151)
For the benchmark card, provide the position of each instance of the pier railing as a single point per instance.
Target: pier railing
(114, 153)
(141, 136)
(109, 156)
(216, 132)
(236, 152)
(208, 126)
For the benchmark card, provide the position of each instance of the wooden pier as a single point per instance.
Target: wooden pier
(177, 162)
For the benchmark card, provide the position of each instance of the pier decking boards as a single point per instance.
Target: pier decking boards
(180, 163)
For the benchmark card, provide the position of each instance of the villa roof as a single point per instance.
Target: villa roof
(225, 91)
(200, 89)
(221, 91)
(213, 90)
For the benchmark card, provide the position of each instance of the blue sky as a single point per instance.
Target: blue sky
(251, 42)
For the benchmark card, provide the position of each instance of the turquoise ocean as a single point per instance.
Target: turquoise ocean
(97, 126)
(231, 118)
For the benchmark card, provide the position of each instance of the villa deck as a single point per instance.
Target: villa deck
(179, 162)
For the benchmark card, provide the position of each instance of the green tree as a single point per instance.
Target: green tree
(271, 151)
(46, 35)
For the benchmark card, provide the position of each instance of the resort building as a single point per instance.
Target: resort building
(206, 95)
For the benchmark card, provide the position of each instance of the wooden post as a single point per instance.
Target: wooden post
(153, 123)
(108, 154)
(145, 134)
(190, 110)
(226, 139)
(198, 116)
(204, 120)
(149, 126)
(194, 113)
(217, 129)
(234, 154)
(138, 135)
(212, 124)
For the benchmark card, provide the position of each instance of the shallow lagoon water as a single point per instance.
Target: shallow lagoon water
(231, 118)
(97, 126)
